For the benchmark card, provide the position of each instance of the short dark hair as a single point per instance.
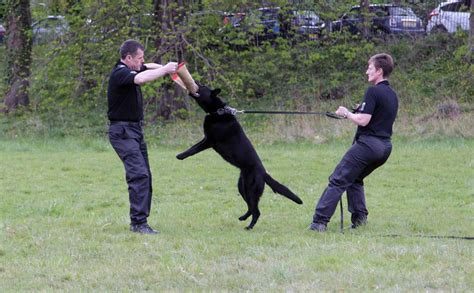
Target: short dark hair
(130, 47)
(384, 61)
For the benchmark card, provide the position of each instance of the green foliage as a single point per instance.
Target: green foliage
(69, 76)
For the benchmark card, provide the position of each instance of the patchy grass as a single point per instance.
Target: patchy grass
(64, 221)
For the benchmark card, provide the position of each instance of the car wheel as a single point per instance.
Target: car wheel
(378, 33)
(439, 29)
(381, 34)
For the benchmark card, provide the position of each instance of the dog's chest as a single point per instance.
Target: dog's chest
(223, 128)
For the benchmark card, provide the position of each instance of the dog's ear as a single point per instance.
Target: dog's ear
(216, 92)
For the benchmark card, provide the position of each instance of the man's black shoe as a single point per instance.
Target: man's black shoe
(318, 227)
(142, 228)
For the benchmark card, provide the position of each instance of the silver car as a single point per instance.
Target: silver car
(449, 17)
(2, 33)
(49, 29)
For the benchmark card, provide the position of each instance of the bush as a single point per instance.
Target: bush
(69, 80)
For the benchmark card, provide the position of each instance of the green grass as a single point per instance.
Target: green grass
(64, 222)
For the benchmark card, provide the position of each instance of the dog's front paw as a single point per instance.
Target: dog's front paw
(180, 157)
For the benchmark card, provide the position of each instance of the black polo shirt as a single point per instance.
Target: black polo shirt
(382, 103)
(124, 97)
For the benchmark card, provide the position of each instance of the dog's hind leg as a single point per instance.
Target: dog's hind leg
(254, 189)
(241, 187)
(245, 216)
(253, 209)
(199, 147)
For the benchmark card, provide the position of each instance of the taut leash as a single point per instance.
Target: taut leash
(328, 114)
(232, 111)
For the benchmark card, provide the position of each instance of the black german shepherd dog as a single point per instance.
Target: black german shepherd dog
(223, 133)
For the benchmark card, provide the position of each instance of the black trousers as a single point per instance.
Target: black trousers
(128, 141)
(365, 155)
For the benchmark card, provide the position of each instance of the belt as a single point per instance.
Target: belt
(131, 123)
(382, 138)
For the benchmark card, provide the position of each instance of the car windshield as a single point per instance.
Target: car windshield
(269, 14)
(307, 16)
(401, 11)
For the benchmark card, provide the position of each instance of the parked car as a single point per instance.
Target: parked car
(449, 17)
(270, 22)
(2, 33)
(261, 23)
(384, 19)
(234, 19)
(268, 19)
(48, 29)
(306, 23)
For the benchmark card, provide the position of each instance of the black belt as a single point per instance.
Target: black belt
(384, 138)
(130, 123)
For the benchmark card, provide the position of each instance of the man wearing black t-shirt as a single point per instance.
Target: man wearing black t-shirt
(125, 113)
(374, 118)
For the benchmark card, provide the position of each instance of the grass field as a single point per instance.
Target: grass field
(64, 222)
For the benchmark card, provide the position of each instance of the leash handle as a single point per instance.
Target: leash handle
(333, 115)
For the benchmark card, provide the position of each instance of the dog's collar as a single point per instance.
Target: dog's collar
(225, 110)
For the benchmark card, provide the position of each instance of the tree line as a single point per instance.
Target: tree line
(167, 36)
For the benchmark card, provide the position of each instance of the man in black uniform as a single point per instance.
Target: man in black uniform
(125, 113)
(371, 148)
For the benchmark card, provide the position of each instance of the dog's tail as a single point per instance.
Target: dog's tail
(277, 187)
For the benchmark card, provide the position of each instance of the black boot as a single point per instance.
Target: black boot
(318, 227)
(358, 220)
(143, 228)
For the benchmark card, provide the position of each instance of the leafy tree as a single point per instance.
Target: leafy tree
(70, 75)
(18, 26)
(364, 5)
(169, 45)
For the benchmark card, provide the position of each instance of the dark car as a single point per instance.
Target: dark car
(2, 33)
(384, 19)
(262, 23)
(267, 19)
(49, 29)
(305, 23)
(268, 23)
